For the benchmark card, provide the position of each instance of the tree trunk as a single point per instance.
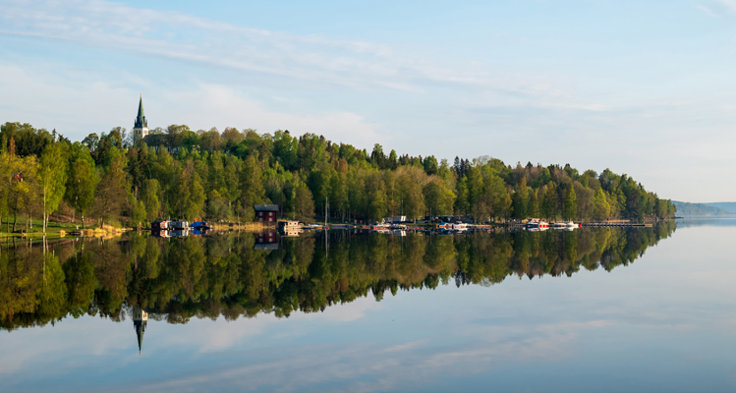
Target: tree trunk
(44, 214)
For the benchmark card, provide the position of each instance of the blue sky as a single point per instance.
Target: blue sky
(645, 88)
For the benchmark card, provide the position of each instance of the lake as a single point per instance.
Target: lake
(595, 309)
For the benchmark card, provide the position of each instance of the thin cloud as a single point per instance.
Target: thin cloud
(717, 8)
(182, 37)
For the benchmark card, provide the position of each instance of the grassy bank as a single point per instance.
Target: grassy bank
(33, 230)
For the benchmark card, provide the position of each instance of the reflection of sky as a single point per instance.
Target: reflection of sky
(664, 323)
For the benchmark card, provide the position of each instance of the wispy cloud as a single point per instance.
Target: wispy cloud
(317, 59)
(717, 8)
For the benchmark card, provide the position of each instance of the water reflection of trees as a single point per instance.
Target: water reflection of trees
(226, 275)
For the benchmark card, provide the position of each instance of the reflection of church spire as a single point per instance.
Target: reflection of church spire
(140, 320)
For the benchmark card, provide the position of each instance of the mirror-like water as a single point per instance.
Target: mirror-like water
(596, 310)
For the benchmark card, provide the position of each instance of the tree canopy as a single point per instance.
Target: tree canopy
(181, 173)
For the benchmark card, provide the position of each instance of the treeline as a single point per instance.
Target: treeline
(180, 173)
(226, 275)
(686, 209)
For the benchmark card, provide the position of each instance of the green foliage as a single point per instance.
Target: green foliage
(181, 173)
(52, 178)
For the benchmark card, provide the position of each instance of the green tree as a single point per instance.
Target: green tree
(52, 179)
(251, 186)
(150, 199)
(409, 182)
(302, 203)
(601, 208)
(438, 197)
(81, 185)
(21, 183)
(187, 194)
(112, 189)
(571, 206)
(520, 200)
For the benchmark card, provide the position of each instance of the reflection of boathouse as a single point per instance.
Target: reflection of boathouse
(140, 320)
(267, 240)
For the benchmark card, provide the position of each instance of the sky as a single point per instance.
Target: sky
(645, 88)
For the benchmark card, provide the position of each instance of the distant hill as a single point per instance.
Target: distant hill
(728, 207)
(687, 209)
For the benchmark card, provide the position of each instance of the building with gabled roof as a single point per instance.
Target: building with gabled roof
(266, 213)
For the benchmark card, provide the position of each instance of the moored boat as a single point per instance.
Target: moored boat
(536, 223)
(160, 225)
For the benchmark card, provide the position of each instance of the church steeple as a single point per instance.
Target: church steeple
(140, 127)
(140, 320)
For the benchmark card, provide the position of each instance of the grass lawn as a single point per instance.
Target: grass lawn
(36, 228)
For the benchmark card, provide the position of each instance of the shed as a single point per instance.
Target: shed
(266, 213)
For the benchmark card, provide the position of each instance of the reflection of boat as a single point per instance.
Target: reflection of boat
(565, 225)
(536, 223)
(200, 231)
(170, 233)
(184, 232)
(160, 233)
(447, 226)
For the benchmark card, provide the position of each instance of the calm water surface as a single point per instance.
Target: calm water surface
(648, 309)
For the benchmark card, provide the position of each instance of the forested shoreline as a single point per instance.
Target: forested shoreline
(179, 173)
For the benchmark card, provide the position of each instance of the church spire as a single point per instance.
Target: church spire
(140, 127)
(140, 120)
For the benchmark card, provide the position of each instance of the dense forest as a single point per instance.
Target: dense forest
(227, 275)
(179, 173)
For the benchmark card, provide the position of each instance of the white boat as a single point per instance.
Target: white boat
(459, 227)
(536, 223)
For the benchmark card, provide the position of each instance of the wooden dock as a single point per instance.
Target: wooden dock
(616, 224)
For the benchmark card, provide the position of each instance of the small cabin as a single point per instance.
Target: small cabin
(266, 213)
